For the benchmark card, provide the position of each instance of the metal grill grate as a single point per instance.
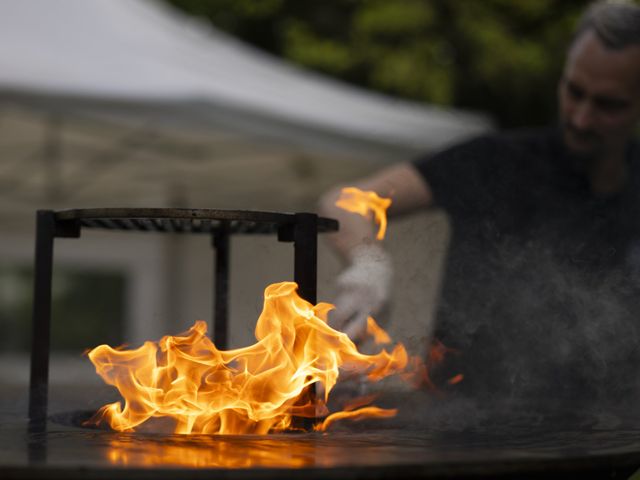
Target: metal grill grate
(183, 220)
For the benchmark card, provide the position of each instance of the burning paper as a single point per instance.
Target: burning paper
(257, 389)
(364, 203)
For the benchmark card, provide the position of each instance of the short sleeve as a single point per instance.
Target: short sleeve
(475, 177)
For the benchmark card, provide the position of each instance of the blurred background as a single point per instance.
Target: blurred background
(500, 57)
(236, 104)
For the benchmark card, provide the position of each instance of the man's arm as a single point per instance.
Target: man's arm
(364, 286)
(402, 183)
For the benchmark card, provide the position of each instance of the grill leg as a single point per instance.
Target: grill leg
(222, 246)
(41, 321)
(305, 247)
(305, 238)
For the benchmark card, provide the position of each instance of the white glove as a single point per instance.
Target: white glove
(364, 288)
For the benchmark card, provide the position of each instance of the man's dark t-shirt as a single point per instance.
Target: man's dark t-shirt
(540, 291)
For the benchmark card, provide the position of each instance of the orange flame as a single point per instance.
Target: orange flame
(256, 389)
(420, 372)
(380, 337)
(355, 200)
(359, 414)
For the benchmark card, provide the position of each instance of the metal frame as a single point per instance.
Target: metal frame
(300, 228)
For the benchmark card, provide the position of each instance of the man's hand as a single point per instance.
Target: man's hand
(364, 288)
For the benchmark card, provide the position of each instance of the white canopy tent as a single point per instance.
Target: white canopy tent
(107, 103)
(130, 103)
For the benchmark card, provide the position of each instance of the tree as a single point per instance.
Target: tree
(498, 56)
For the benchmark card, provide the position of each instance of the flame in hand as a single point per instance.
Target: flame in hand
(355, 200)
(256, 389)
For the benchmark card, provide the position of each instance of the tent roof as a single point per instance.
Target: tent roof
(109, 65)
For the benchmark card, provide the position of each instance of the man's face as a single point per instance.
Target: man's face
(599, 96)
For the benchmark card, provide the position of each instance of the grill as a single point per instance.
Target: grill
(300, 228)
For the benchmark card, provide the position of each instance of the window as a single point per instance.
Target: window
(88, 308)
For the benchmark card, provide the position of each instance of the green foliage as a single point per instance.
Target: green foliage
(498, 56)
(303, 46)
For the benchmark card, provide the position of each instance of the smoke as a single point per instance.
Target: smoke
(546, 326)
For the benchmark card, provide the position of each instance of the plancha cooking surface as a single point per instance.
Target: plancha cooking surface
(446, 440)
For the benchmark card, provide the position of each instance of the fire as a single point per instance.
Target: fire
(355, 200)
(256, 389)
(361, 413)
(380, 337)
(420, 372)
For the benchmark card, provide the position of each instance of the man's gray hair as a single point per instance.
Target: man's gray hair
(616, 23)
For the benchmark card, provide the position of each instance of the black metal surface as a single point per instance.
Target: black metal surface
(377, 450)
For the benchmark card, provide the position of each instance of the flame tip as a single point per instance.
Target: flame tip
(366, 204)
(256, 389)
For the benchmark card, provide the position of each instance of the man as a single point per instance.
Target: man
(541, 289)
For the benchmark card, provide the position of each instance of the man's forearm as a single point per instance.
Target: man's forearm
(354, 229)
(401, 182)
